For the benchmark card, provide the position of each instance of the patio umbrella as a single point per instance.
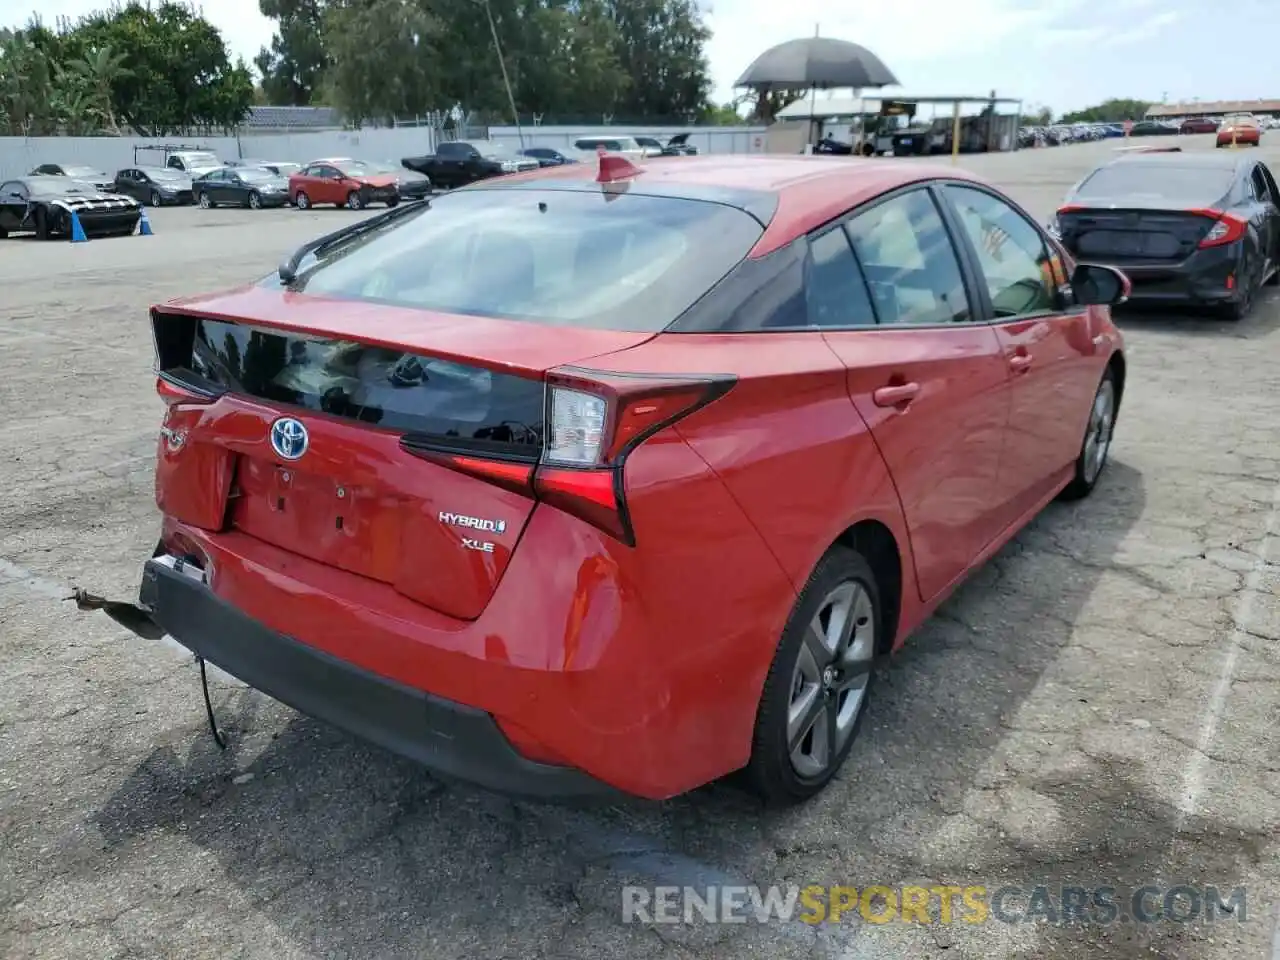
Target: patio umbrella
(816, 62)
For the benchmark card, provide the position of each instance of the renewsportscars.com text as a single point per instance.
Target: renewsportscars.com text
(1060, 905)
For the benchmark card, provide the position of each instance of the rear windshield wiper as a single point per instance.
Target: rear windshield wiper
(288, 270)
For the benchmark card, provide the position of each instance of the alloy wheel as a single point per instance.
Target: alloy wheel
(1097, 441)
(205, 203)
(301, 201)
(155, 198)
(829, 682)
(255, 202)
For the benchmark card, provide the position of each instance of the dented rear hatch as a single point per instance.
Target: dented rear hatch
(312, 441)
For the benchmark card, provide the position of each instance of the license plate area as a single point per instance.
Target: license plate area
(1129, 243)
(355, 528)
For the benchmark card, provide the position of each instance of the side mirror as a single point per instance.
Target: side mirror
(1095, 283)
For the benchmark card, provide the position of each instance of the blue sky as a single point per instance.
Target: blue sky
(1063, 53)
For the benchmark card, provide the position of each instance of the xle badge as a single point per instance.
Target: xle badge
(474, 523)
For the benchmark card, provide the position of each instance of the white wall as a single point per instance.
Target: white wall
(19, 155)
(707, 139)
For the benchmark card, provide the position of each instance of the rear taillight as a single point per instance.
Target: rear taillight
(1227, 228)
(592, 422)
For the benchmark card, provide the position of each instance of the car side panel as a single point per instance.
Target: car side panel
(943, 450)
(786, 440)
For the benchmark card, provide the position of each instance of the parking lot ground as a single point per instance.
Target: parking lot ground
(1099, 707)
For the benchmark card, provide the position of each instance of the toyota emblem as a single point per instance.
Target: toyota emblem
(289, 438)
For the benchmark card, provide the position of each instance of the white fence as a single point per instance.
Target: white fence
(20, 155)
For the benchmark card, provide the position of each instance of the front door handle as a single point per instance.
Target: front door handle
(896, 395)
(1020, 362)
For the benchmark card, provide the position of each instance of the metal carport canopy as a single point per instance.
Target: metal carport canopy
(805, 109)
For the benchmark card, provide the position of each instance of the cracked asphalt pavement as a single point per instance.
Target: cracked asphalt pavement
(1099, 706)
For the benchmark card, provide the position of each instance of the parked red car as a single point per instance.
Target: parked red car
(1199, 125)
(1242, 131)
(342, 182)
(604, 477)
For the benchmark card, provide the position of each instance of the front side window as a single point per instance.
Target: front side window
(1014, 258)
(585, 258)
(910, 262)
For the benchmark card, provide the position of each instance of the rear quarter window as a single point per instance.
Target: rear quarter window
(585, 258)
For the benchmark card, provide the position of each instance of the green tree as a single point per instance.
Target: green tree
(178, 74)
(662, 48)
(1109, 111)
(725, 115)
(381, 57)
(99, 69)
(27, 106)
(293, 67)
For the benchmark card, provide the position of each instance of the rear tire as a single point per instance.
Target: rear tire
(816, 692)
(393, 201)
(1096, 446)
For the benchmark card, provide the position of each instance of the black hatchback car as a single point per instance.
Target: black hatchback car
(1188, 228)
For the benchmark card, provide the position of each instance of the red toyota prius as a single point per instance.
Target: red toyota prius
(619, 478)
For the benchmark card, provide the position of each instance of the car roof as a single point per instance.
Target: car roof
(802, 192)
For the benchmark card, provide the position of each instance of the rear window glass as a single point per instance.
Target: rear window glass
(1188, 185)
(590, 258)
(391, 388)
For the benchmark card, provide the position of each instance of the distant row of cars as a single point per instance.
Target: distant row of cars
(43, 201)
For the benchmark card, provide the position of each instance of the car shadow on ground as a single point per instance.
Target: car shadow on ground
(347, 851)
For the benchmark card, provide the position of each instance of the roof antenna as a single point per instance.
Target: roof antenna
(614, 167)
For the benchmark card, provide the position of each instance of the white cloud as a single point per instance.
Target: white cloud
(1143, 31)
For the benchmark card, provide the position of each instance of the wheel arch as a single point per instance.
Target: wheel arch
(1118, 367)
(876, 542)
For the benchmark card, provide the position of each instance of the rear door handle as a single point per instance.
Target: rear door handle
(1020, 362)
(895, 395)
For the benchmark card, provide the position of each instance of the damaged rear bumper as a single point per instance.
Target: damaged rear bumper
(443, 735)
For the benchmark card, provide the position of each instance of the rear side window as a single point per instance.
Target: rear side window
(910, 262)
(835, 291)
(591, 258)
(1186, 186)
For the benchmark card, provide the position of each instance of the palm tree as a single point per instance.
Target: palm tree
(101, 68)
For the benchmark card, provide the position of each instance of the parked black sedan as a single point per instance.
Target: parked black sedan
(547, 156)
(75, 171)
(253, 187)
(43, 205)
(154, 186)
(1197, 228)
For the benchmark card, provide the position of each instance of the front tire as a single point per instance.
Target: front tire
(156, 199)
(817, 689)
(255, 201)
(1096, 446)
(354, 202)
(302, 201)
(42, 224)
(204, 201)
